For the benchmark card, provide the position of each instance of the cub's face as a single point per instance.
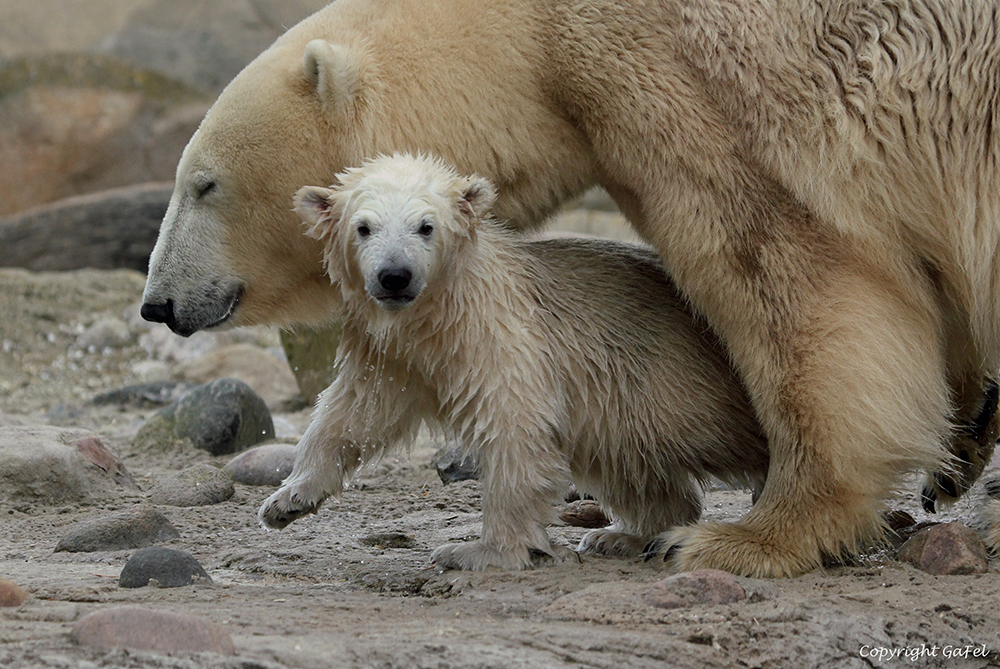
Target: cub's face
(395, 226)
(395, 249)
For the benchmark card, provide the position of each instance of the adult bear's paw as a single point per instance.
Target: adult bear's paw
(733, 547)
(972, 448)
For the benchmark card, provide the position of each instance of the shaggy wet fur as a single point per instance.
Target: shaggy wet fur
(557, 361)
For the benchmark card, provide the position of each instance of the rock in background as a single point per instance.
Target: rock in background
(46, 465)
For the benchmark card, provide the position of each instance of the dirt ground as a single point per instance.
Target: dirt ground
(330, 592)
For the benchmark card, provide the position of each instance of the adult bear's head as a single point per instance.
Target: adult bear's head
(456, 79)
(230, 246)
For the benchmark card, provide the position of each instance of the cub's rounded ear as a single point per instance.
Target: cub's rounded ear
(333, 72)
(314, 205)
(478, 197)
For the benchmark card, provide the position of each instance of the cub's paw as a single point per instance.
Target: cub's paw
(288, 504)
(477, 556)
(611, 543)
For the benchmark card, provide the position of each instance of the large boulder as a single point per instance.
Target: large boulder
(82, 123)
(106, 230)
(53, 466)
(222, 417)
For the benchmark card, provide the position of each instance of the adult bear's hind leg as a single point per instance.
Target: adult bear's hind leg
(858, 397)
(839, 341)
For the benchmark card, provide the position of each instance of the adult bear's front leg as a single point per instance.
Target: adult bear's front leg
(839, 340)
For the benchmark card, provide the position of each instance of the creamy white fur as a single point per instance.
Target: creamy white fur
(557, 361)
(820, 177)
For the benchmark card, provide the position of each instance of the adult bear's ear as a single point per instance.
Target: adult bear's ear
(478, 197)
(314, 205)
(333, 72)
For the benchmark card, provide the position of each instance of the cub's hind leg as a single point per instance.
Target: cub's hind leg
(640, 514)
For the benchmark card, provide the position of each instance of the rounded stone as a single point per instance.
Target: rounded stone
(136, 528)
(197, 485)
(946, 549)
(222, 417)
(705, 587)
(454, 464)
(11, 594)
(140, 628)
(169, 568)
(51, 465)
(269, 464)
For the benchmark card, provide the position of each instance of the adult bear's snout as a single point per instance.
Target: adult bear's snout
(158, 313)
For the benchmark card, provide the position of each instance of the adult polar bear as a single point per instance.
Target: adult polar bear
(820, 178)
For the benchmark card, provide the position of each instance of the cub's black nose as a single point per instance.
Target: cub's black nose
(395, 280)
(158, 313)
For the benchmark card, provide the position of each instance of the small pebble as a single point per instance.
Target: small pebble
(197, 485)
(11, 594)
(136, 528)
(583, 513)
(946, 549)
(269, 464)
(140, 628)
(169, 568)
(452, 466)
(704, 587)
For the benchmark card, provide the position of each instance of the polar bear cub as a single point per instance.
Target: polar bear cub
(556, 360)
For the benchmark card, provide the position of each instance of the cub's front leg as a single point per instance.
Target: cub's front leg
(522, 477)
(352, 425)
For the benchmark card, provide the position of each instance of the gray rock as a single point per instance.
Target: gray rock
(222, 417)
(144, 395)
(946, 549)
(204, 44)
(704, 587)
(169, 568)
(198, 485)
(269, 464)
(44, 464)
(136, 528)
(452, 466)
(145, 629)
(104, 230)
(268, 375)
(107, 332)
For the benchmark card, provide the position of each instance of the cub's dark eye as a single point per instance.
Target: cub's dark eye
(204, 189)
(425, 229)
(364, 230)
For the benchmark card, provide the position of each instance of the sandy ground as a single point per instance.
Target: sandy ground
(328, 592)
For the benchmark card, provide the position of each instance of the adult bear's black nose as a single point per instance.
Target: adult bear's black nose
(395, 280)
(158, 313)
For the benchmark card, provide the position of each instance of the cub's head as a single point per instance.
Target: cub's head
(395, 226)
